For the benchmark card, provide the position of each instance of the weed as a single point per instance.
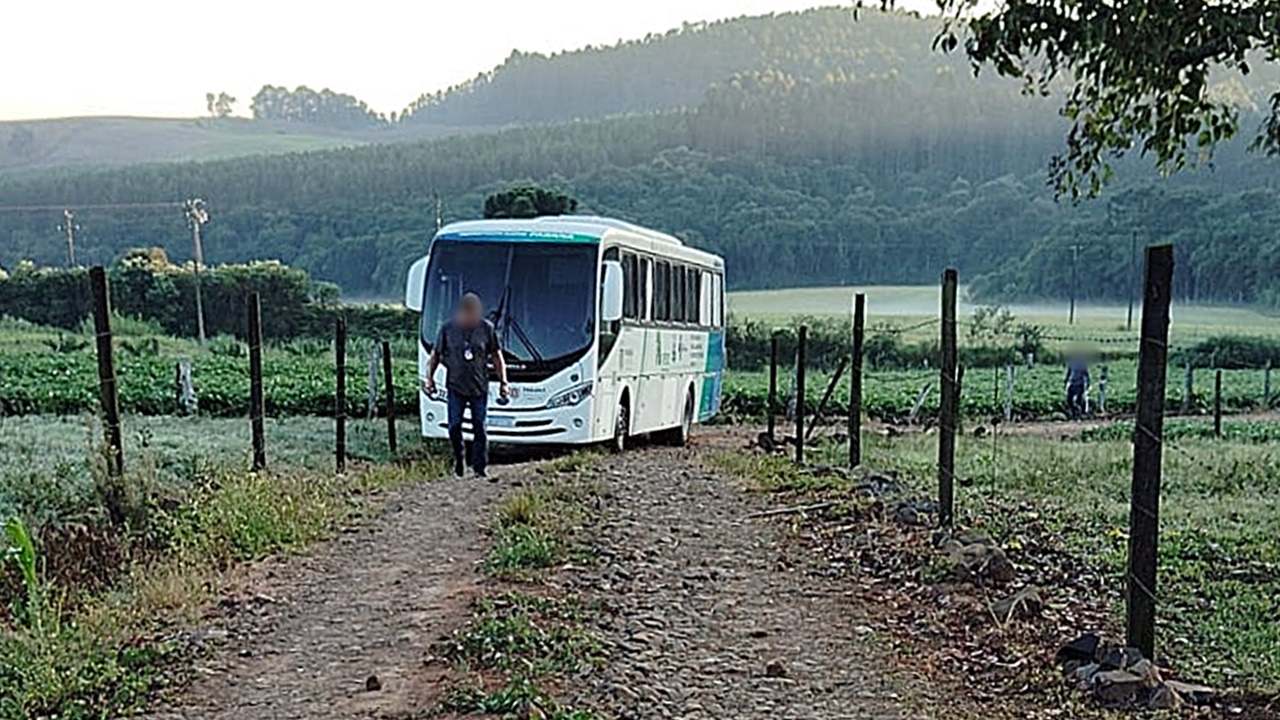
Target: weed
(522, 634)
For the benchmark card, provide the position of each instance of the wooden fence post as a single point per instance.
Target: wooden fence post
(340, 395)
(1010, 384)
(1188, 388)
(855, 380)
(1266, 387)
(114, 497)
(772, 409)
(391, 396)
(1148, 448)
(948, 402)
(801, 341)
(257, 403)
(1217, 404)
(1102, 391)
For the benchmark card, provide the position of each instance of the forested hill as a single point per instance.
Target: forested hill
(843, 152)
(676, 69)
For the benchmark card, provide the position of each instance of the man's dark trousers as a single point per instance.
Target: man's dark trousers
(479, 409)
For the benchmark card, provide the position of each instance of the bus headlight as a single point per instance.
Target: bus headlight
(570, 397)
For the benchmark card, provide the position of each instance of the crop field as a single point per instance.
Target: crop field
(1038, 393)
(904, 306)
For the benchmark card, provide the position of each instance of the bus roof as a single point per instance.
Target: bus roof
(568, 228)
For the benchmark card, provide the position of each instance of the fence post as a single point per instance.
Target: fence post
(110, 397)
(1217, 404)
(1188, 388)
(1011, 371)
(391, 396)
(855, 380)
(187, 389)
(1148, 448)
(340, 395)
(1102, 391)
(801, 341)
(948, 402)
(1266, 387)
(772, 409)
(371, 397)
(257, 404)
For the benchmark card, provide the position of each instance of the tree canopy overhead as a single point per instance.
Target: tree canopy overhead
(528, 201)
(1138, 73)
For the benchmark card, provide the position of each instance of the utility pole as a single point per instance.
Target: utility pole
(1075, 258)
(197, 216)
(69, 226)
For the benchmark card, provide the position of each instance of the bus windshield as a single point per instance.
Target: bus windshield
(541, 296)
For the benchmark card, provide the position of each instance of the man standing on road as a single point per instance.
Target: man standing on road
(1077, 384)
(466, 346)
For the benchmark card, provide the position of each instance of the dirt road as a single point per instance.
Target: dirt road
(699, 617)
(703, 619)
(302, 636)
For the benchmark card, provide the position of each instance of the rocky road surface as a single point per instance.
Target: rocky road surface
(703, 621)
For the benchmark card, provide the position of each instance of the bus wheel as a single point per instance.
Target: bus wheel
(621, 428)
(678, 436)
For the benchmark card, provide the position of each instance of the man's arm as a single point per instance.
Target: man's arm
(499, 362)
(432, 365)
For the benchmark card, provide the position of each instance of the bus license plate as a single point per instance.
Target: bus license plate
(502, 421)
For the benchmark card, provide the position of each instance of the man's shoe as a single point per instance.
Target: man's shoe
(458, 469)
(484, 475)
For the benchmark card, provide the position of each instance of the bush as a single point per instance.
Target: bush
(1233, 352)
(161, 296)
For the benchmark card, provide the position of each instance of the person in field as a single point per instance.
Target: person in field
(466, 346)
(1077, 384)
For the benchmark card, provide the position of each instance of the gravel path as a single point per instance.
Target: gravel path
(704, 619)
(302, 636)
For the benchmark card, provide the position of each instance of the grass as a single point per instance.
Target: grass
(97, 651)
(1219, 552)
(516, 643)
(523, 634)
(538, 527)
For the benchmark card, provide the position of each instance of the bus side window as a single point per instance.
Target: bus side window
(662, 292)
(693, 309)
(644, 307)
(631, 292)
(705, 292)
(718, 299)
(677, 294)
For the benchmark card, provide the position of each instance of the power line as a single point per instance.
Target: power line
(98, 206)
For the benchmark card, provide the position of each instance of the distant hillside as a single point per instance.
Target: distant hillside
(113, 141)
(841, 151)
(679, 69)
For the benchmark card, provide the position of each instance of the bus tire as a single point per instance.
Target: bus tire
(621, 427)
(678, 436)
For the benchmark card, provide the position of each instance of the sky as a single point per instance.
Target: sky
(158, 58)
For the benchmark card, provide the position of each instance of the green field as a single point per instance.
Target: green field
(904, 306)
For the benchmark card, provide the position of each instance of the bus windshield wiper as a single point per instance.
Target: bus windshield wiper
(503, 319)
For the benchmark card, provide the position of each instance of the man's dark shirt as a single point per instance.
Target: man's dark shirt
(465, 354)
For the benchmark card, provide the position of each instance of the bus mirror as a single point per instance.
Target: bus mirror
(611, 295)
(415, 286)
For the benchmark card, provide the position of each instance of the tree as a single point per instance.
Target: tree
(1137, 73)
(528, 201)
(220, 105)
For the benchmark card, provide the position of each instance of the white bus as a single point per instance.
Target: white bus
(610, 330)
